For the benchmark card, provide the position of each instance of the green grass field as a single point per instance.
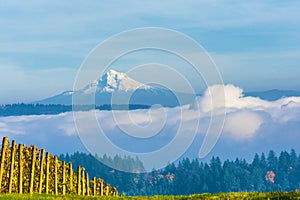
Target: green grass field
(236, 195)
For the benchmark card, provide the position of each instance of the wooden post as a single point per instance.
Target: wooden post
(101, 186)
(42, 171)
(4, 146)
(115, 192)
(94, 186)
(20, 168)
(87, 184)
(64, 178)
(82, 181)
(33, 158)
(47, 171)
(12, 164)
(71, 177)
(106, 190)
(78, 180)
(55, 175)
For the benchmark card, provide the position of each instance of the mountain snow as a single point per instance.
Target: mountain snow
(113, 81)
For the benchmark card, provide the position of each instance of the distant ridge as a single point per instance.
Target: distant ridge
(275, 94)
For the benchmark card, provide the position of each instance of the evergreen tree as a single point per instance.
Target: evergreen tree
(257, 175)
(282, 174)
(215, 174)
(272, 161)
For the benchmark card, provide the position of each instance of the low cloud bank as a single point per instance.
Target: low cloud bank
(252, 123)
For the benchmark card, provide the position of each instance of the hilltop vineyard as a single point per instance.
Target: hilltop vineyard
(31, 170)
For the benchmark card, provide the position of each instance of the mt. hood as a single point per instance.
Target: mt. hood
(121, 85)
(114, 81)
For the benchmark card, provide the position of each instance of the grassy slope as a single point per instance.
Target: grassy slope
(237, 195)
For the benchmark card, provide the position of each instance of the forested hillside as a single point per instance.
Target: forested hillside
(264, 173)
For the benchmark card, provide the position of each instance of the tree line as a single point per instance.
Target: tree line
(264, 173)
(52, 109)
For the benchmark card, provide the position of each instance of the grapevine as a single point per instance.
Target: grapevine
(23, 169)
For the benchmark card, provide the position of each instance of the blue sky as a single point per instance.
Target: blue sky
(256, 44)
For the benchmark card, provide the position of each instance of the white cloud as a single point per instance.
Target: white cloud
(235, 99)
(243, 125)
(245, 115)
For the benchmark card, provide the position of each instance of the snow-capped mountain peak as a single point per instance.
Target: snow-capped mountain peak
(113, 81)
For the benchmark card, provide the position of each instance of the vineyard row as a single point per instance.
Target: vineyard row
(31, 170)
